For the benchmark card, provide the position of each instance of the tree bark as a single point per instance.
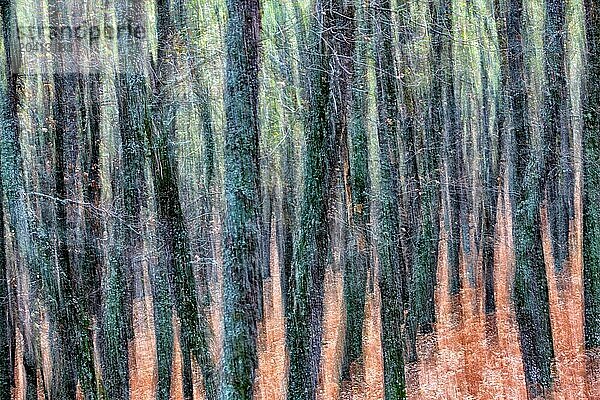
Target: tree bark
(559, 170)
(391, 263)
(176, 253)
(591, 188)
(241, 248)
(20, 216)
(312, 244)
(530, 294)
(359, 263)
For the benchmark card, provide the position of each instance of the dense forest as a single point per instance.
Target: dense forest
(299, 199)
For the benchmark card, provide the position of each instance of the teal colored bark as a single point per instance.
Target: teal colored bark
(559, 168)
(175, 258)
(6, 326)
(591, 187)
(530, 289)
(359, 262)
(241, 252)
(391, 263)
(306, 281)
(13, 187)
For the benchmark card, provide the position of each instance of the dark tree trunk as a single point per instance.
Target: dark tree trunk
(93, 259)
(530, 292)
(591, 188)
(490, 172)
(312, 244)
(444, 105)
(20, 216)
(421, 192)
(411, 210)
(122, 282)
(359, 263)
(176, 254)
(6, 326)
(64, 378)
(285, 231)
(73, 320)
(559, 170)
(391, 263)
(241, 252)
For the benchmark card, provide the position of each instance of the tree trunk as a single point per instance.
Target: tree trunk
(123, 277)
(6, 326)
(444, 104)
(241, 248)
(559, 168)
(591, 188)
(530, 287)
(391, 263)
(176, 254)
(288, 157)
(312, 244)
(20, 216)
(359, 262)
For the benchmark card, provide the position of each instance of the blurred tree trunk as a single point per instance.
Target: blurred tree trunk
(312, 243)
(7, 331)
(65, 325)
(559, 168)
(530, 293)
(6, 325)
(20, 216)
(71, 321)
(241, 250)
(93, 259)
(426, 138)
(359, 260)
(591, 189)
(175, 256)
(490, 172)
(288, 157)
(391, 263)
(123, 283)
(444, 105)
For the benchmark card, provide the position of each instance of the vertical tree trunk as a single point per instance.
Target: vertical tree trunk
(176, 253)
(312, 244)
(421, 194)
(20, 216)
(530, 287)
(359, 262)
(444, 105)
(64, 382)
(391, 263)
(591, 188)
(241, 230)
(122, 283)
(6, 326)
(93, 259)
(556, 129)
(288, 156)
(490, 172)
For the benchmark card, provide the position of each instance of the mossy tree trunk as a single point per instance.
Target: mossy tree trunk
(530, 292)
(312, 241)
(591, 188)
(359, 260)
(559, 169)
(241, 248)
(392, 269)
(175, 257)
